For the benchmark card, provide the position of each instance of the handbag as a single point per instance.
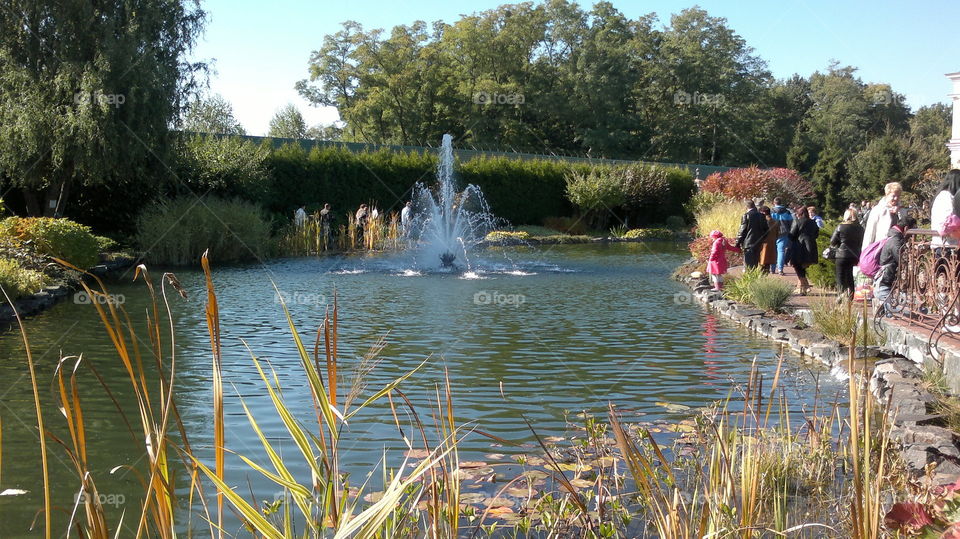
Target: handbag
(830, 253)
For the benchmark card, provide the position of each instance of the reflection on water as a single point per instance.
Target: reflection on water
(543, 333)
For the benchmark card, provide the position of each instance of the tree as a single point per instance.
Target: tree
(87, 92)
(212, 115)
(288, 123)
(325, 132)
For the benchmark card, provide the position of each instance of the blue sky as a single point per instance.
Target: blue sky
(260, 49)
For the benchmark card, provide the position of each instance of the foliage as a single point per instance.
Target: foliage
(702, 201)
(507, 236)
(18, 281)
(224, 166)
(740, 289)
(649, 233)
(724, 217)
(288, 123)
(596, 193)
(754, 182)
(646, 193)
(675, 223)
(823, 274)
(61, 238)
(838, 321)
(211, 115)
(770, 293)
(88, 92)
(178, 231)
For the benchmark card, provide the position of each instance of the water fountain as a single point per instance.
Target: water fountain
(448, 222)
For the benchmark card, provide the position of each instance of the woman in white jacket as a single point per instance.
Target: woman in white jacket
(946, 202)
(883, 215)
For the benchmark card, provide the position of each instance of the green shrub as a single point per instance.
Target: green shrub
(19, 281)
(702, 201)
(178, 231)
(649, 234)
(507, 235)
(838, 320)
(646, 192)
(682, 188)
(61, 238)
(739, 289)
(824, 273)
(595, 192)
(770, 293)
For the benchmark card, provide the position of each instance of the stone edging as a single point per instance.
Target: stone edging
(928, 449)
(51, 295)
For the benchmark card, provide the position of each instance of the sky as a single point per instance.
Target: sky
(260, 49)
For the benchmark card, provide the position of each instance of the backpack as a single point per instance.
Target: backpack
(870, 257)
(951, 227)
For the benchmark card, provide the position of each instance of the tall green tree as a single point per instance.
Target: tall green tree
(288, 123)
(88, 91)
(212, 115)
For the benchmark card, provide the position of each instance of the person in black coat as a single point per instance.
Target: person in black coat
(753, 231)
(847, 239)
(804, 235)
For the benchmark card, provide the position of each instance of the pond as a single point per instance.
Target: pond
(543, 334)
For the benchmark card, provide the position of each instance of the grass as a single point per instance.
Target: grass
(723, 216)
(839, 321)
(739, 289)
(770, 293)
(19, 281)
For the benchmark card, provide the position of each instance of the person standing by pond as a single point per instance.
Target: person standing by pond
(847, 240)
(753, 230)
(883, 215)
(326, 221)
(300, 216)
(717, 264)
(406, 219)
(804, 234)
(889, 259)
(768, 250)
(783, 216)
(945, 204)
(361, 218)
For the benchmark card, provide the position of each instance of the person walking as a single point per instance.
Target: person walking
(782, 215)
(883, 215)
(945, 204)
(768, 250)
(847, 240)
(803, 234)
(753, 230)
(717, 264)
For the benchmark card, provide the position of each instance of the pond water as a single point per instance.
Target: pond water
(542, 334)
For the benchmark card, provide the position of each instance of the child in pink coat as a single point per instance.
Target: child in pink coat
(717, 263)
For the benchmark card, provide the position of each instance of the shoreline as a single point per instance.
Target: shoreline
(930, 451)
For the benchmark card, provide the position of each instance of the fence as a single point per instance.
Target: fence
(926, 292)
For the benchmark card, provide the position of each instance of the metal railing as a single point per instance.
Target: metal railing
(926, 291)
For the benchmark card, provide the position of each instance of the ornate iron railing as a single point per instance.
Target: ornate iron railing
(926, 291)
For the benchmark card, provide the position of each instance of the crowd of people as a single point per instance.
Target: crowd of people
(361, 219)
(865, 246)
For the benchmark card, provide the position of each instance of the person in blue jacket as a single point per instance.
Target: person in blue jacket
(782, 214)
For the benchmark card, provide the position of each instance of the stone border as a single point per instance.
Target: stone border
(929, 450)
(51, 295)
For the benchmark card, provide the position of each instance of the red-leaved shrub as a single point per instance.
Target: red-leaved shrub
(754, 182)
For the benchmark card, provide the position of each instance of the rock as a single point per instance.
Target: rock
(696, 275)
